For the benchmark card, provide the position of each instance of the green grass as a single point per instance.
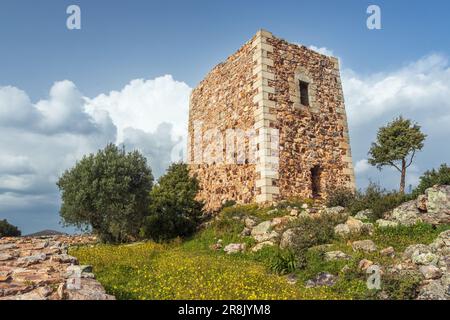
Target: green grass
(189, 269)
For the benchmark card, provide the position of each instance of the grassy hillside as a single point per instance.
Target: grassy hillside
(191, 270)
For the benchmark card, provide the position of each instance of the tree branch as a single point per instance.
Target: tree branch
(394, 165)
(412, 157)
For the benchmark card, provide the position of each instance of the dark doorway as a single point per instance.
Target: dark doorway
(316, 172)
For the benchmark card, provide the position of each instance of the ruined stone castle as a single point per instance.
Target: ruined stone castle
(269, 124)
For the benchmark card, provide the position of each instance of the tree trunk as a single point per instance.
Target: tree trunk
(403, 177)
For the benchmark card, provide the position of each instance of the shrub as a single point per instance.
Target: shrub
(377, 199)
(8, 230)
(374, 197)
(283, 262)
(431, 178)
(173, 210)
(340, 196)
(401, 286)
(108, 192)
(311, 232)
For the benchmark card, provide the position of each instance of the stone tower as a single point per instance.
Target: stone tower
(269, 124)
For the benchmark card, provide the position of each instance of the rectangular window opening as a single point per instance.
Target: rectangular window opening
(304, 94)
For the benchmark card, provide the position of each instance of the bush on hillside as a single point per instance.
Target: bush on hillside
(173, 210)
(8, 230)
(312, 232)
(340, 196)
(377, 199)
(431, 178)
(107, 192)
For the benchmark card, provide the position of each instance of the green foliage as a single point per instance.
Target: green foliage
(8, 230)
(402, 236)
(311, 232)
(283, 262)
(373, 197)
(431, 178)
(377, 199)
(227, 203)
(396, 142)
(340, 196)
(173, 210)
(108, 192)
(402, 286)
(296, 202)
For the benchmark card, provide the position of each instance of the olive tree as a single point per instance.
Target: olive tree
(107, 192)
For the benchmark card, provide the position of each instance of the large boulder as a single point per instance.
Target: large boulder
(406, 214)
(438, 199)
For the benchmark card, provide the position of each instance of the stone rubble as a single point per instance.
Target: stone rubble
(39, 268)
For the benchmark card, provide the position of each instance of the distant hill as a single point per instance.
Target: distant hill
(46, 233)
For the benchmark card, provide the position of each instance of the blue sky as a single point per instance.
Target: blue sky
(146, 55)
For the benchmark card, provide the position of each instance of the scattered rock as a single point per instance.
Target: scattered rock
(364, 264)
(250, 222)
(382, 223)
(322, 279)
(433, 290)
(364, 214)
(262, 231)
(353, 227)
(336, 255)
(234, 248)
(430, 272)
(294, 212)
(291, 278)
(261, 245)
(287, 238)
(364, 245)
(388, 252)
(246, 232)
(407, 254)
(342, 230)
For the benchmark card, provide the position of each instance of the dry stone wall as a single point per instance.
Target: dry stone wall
(39, 268)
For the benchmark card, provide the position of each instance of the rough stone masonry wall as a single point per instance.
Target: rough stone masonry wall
(309, 135)
(223, 100)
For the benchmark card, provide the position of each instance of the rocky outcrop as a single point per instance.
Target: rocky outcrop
(433, 207)
(39, 268)
(433, 263)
